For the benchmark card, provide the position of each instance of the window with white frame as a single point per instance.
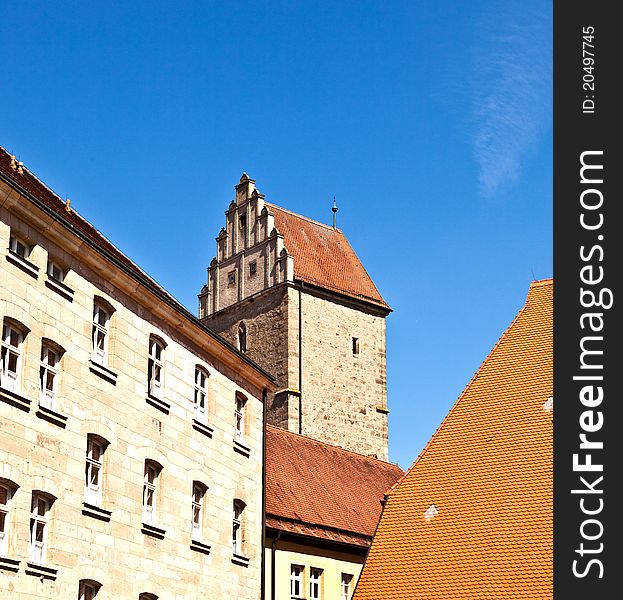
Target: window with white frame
(155, 367)
(201, 394)
(6, 493)
(241, 402)
(101, 330)
(150, 489)
(237, 532)
(199, 492)
(88, 589)
(11, 357)
(96, 446)
(39, 516)
(48, 375)
(296, 581)
(19, 246)
(315, 583)
(347, 581)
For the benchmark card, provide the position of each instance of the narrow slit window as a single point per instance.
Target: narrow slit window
(355, 345)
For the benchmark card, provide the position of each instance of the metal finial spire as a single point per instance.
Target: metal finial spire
(334, 209)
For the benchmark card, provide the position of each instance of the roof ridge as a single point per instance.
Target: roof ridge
(467, 387)
(294, 214)
(339, 448)
(542, 282)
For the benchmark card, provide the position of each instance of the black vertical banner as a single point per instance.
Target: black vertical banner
(588, 340)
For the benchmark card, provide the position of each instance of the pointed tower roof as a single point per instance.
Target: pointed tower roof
(324, 258)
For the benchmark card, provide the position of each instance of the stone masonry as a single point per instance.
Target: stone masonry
(43, 450)
(304, 333)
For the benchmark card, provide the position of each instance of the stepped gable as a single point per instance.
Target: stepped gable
(472, 518)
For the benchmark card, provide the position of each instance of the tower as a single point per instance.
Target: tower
(292, 294)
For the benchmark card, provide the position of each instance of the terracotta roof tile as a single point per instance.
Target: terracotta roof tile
(323, 257)
(488, 473)
(319, 490)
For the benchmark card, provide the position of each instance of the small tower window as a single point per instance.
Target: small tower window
(355, 345)
(231, 277)
(242, 337)
(252, 268)
(242, 219)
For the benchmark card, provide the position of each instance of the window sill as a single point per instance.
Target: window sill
(15, 399)
(159, 403)
(199, 547)
(238, 559)
(153, 531)
(60, 288)
(33, 568)
(9, 564)
(241, 448)
(51, 416)
(203, 428)
(103, 372)
(23, 264)
(90, 510)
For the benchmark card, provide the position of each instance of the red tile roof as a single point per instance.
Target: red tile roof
(323, 257)
(322, 491)
(485, 479)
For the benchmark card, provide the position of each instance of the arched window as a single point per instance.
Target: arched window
(94, 472)
(150, 491)
(237, 528)
(51, 354)
(88, 589)
(241, 402)
(147, 596)
(13, 335)
(155, 367)
(7, 490)
(201, 394)
(39, 517)
(198, 509)
(242, 337)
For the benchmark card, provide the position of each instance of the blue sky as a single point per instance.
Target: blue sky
(429, 121)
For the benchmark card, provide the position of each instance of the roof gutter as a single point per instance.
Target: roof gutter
(139, 278)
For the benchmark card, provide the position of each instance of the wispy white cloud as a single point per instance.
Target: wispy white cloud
(512, 91)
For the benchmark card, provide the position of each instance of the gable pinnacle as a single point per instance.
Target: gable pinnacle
(334, 210)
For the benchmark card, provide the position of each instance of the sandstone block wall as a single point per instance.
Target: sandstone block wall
(344, 394)
(39, 454)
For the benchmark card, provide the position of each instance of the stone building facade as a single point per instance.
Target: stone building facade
(292, 295)
(130, 435)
